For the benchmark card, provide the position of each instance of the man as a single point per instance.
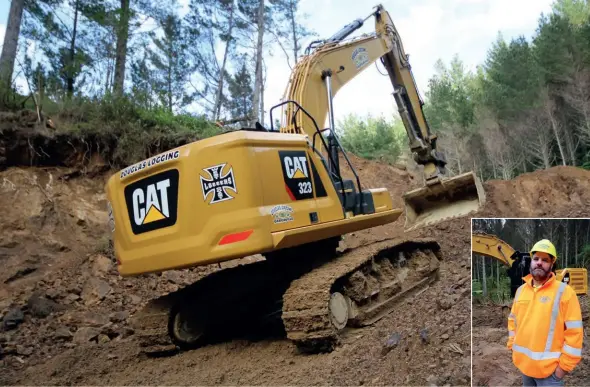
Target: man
(545, 325)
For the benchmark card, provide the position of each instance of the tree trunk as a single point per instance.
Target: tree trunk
(169, 81)
(262, 98)
(121, 55)
(484, 285)
(556, 133)
(219, 94)
(569, 142)
(567, 240)
(576, 244)
(258, 79)
(9, 48)
(70, 71)
(107, 84)
(294, 30)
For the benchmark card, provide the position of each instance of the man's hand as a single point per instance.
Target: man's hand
(559, 372)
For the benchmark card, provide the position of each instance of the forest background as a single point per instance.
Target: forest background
(92, 65)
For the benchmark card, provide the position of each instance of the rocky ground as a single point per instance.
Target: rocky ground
(65, 311)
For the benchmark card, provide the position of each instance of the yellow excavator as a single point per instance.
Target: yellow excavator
(519, 263)
(279, 192)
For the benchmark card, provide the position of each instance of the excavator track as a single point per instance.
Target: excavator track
(299, 285)
(366, 282)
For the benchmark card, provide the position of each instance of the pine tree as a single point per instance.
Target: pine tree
(240, 91)
(172, 67)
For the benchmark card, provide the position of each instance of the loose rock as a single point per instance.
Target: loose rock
(102, 265)
(94, 291)
(41, 307)
(119, 316)
(13, 319)
(62, 333)
(24, 351)
(85, 334)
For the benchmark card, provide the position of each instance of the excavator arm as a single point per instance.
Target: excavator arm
(493, 247)
(334, 62)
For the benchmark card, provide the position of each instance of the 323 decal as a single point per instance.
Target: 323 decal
(296, 173)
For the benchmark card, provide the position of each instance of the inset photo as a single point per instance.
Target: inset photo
(530, 302)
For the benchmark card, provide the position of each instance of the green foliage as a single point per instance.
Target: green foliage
(171, 64)
(512, 80)
(557, 49)
(584, 256)
(127, 132)
(372, 138)
(496, 292)
(240, 89)
(577, 11)
(451, 97)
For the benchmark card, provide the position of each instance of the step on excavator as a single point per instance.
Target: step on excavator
(279, 192)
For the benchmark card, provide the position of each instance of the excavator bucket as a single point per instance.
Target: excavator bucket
(446, 199)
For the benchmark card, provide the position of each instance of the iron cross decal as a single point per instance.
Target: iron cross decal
(218, 183)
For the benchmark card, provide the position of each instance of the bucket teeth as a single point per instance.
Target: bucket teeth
(443, 200)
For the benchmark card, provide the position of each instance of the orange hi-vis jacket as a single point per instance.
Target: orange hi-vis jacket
(545, 328)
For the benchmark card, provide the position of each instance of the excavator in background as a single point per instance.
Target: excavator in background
(519, 263)
(280, 193)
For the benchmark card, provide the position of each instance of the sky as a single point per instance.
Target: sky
(429, 29)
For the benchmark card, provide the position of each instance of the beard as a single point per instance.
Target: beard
(539, 274)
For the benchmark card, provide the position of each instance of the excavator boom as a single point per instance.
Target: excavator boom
(334, 62)
(493, 247)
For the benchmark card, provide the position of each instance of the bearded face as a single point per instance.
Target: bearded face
(541, 264)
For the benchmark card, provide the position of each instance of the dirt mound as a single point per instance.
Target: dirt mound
(59, 287)
(557, 192)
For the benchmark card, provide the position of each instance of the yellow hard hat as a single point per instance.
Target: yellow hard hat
(546, 247)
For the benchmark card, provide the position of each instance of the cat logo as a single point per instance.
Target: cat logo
(296, 167)
(156, 203)
(296, 174)
(152, 202)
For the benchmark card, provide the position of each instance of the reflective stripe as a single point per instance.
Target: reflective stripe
(510, 333)
(572, 351)
(554, 313)
(536, 355)
(573, 324)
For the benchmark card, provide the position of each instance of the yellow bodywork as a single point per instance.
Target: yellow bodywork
(257, 213)
(493, 247)
(257, 191)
